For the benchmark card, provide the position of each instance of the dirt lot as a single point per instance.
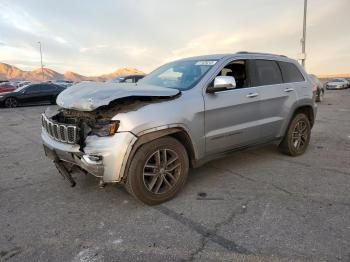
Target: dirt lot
(255, 205)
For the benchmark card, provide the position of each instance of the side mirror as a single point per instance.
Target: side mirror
(222, 83)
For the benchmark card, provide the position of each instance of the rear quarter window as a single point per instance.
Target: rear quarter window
(267, 73)
(290, 72)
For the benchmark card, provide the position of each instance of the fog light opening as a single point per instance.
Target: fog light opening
(93, 159)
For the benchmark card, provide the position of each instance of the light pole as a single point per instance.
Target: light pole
(303, 40)
(41, 60)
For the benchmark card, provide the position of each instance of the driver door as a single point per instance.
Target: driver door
(232, 116)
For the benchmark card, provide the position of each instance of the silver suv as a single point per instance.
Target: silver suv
(183, 114)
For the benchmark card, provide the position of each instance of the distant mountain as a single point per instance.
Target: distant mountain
(122, 71)
(9, 72)
(73, 76)
(37, 74)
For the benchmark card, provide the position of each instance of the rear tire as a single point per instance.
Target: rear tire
(297, 137)
(11, 102)
(320, 96)
(157, 171)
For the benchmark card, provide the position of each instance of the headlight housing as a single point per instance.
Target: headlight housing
(105, 127)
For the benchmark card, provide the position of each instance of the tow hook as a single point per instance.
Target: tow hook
(64, 172)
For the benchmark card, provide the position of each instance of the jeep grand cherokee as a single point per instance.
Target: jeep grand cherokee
(147, 135)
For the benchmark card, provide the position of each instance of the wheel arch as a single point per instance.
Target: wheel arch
(178, 132)
(9, 97)
(308, 111)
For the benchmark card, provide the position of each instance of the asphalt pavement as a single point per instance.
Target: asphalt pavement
(255, 205)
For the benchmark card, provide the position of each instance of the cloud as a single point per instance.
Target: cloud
(91, 38)
(20, 19)
(60, 39)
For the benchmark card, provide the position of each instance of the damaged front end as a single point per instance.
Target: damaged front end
(65, 134)
(71, 126)
(88, 141)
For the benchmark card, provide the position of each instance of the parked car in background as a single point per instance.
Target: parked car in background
(181, 115)
(64, 83)
(23, 83)
(6, 87)
(32, 94)
(320, 89)
(127, 79)
(337, 83)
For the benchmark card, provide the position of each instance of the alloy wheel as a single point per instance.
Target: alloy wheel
(11, 102)
(161, 171)
(300, 135)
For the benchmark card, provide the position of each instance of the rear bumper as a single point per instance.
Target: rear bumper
(336, 87)
(103, 157)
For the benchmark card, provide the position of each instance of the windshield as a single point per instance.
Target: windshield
(21, 88)
(181, 75)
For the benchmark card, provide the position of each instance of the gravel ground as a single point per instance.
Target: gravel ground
(255, 205)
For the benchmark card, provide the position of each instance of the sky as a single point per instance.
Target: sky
(97, 37)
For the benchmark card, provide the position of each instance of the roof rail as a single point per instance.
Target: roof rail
(257, 53)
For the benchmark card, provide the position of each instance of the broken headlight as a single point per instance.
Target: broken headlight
(105, 127)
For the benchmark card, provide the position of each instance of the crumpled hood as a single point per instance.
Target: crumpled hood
(89, 96)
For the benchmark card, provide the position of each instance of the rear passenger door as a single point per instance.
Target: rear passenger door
(276, 97)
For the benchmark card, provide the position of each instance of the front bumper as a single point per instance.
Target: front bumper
(112, 153)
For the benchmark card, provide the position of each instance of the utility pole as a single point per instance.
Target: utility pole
(303, 40)
(41, 61)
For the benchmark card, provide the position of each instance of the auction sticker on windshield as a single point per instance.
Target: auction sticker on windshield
(208, 62)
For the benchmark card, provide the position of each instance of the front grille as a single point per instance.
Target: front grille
(60, 132)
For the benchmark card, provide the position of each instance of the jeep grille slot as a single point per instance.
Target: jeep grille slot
(60, 132)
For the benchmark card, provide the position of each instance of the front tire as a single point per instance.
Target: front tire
(11, 102)
(297, 138)
(157, 171)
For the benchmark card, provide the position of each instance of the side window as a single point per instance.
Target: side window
(33, 89)
(290, 73)
(48, 88)
(237, 69)
(267, 72)
(129, 80)
(138, 78)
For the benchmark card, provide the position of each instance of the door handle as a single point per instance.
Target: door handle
(288, 90)
(251, 95)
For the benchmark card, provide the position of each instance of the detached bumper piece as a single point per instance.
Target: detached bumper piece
(64, 172)
(66, 163)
